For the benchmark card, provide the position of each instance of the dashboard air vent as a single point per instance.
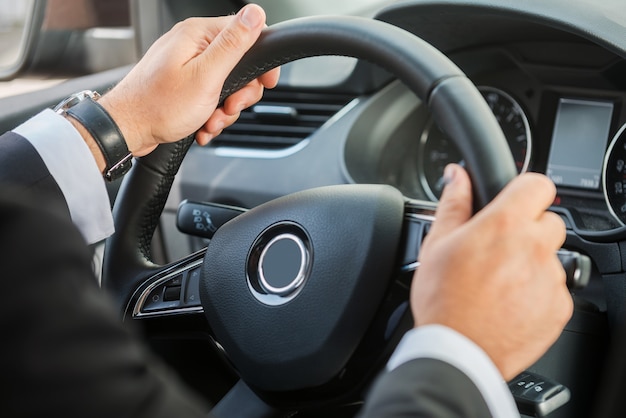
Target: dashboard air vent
(281, 119)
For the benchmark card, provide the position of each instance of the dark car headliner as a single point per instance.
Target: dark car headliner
(483, 21)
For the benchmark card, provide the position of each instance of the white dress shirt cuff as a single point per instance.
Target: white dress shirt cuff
(443, 343)
(72, 165)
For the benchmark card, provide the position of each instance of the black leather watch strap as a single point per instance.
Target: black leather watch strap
(106, 134)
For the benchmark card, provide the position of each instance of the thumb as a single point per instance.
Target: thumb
(455, 205)
(225, 51)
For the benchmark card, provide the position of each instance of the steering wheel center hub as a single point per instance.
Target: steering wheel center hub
(310, 287)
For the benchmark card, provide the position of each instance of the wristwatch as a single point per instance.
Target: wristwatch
(83, 107)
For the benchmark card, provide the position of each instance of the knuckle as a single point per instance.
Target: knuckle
(543, 183)
(553, 230)
(454, 200)
(231, 119)
(555, 220)
(506, 223)
(185, 25)
(538, 180)
(230, 40)
(257, 93)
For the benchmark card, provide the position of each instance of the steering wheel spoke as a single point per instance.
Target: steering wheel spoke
(418, 217)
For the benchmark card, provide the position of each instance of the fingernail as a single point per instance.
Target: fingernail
(250, 16)
(449, 173)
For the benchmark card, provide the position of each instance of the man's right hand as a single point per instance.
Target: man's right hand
(495, 277)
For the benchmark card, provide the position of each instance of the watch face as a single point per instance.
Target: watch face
(74, 99)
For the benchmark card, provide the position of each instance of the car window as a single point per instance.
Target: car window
(78, 37)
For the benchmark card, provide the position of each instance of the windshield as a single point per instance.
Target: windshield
(279, 10)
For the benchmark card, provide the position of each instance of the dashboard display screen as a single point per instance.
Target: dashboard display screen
(581, 132)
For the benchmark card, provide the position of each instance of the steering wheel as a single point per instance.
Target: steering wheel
(307, 294)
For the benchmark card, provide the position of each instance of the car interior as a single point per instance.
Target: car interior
(352, 144)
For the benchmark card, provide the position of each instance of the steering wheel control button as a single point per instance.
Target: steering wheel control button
(176, 293)
(156, 301)
(171, 294)
(164, 296)
(192, 290)
(176, 281)
(283, 265)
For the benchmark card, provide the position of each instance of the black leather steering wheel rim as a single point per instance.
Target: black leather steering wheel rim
(456, 104)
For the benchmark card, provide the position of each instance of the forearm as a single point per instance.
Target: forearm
(442, 344)
(426, 388)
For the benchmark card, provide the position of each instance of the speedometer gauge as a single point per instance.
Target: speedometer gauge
(437, 150)
(614, 176)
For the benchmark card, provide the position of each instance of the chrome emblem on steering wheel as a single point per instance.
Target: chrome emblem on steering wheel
(279, 264)
(283, 265)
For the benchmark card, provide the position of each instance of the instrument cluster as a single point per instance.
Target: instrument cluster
(582, 148)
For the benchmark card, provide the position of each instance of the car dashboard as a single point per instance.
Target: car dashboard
(562, 119)
(557, 95)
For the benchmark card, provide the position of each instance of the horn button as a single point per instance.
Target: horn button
(291, 286)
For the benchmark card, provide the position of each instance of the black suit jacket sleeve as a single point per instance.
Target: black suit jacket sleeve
(64, 351)
(425, 388)
(22, 169)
